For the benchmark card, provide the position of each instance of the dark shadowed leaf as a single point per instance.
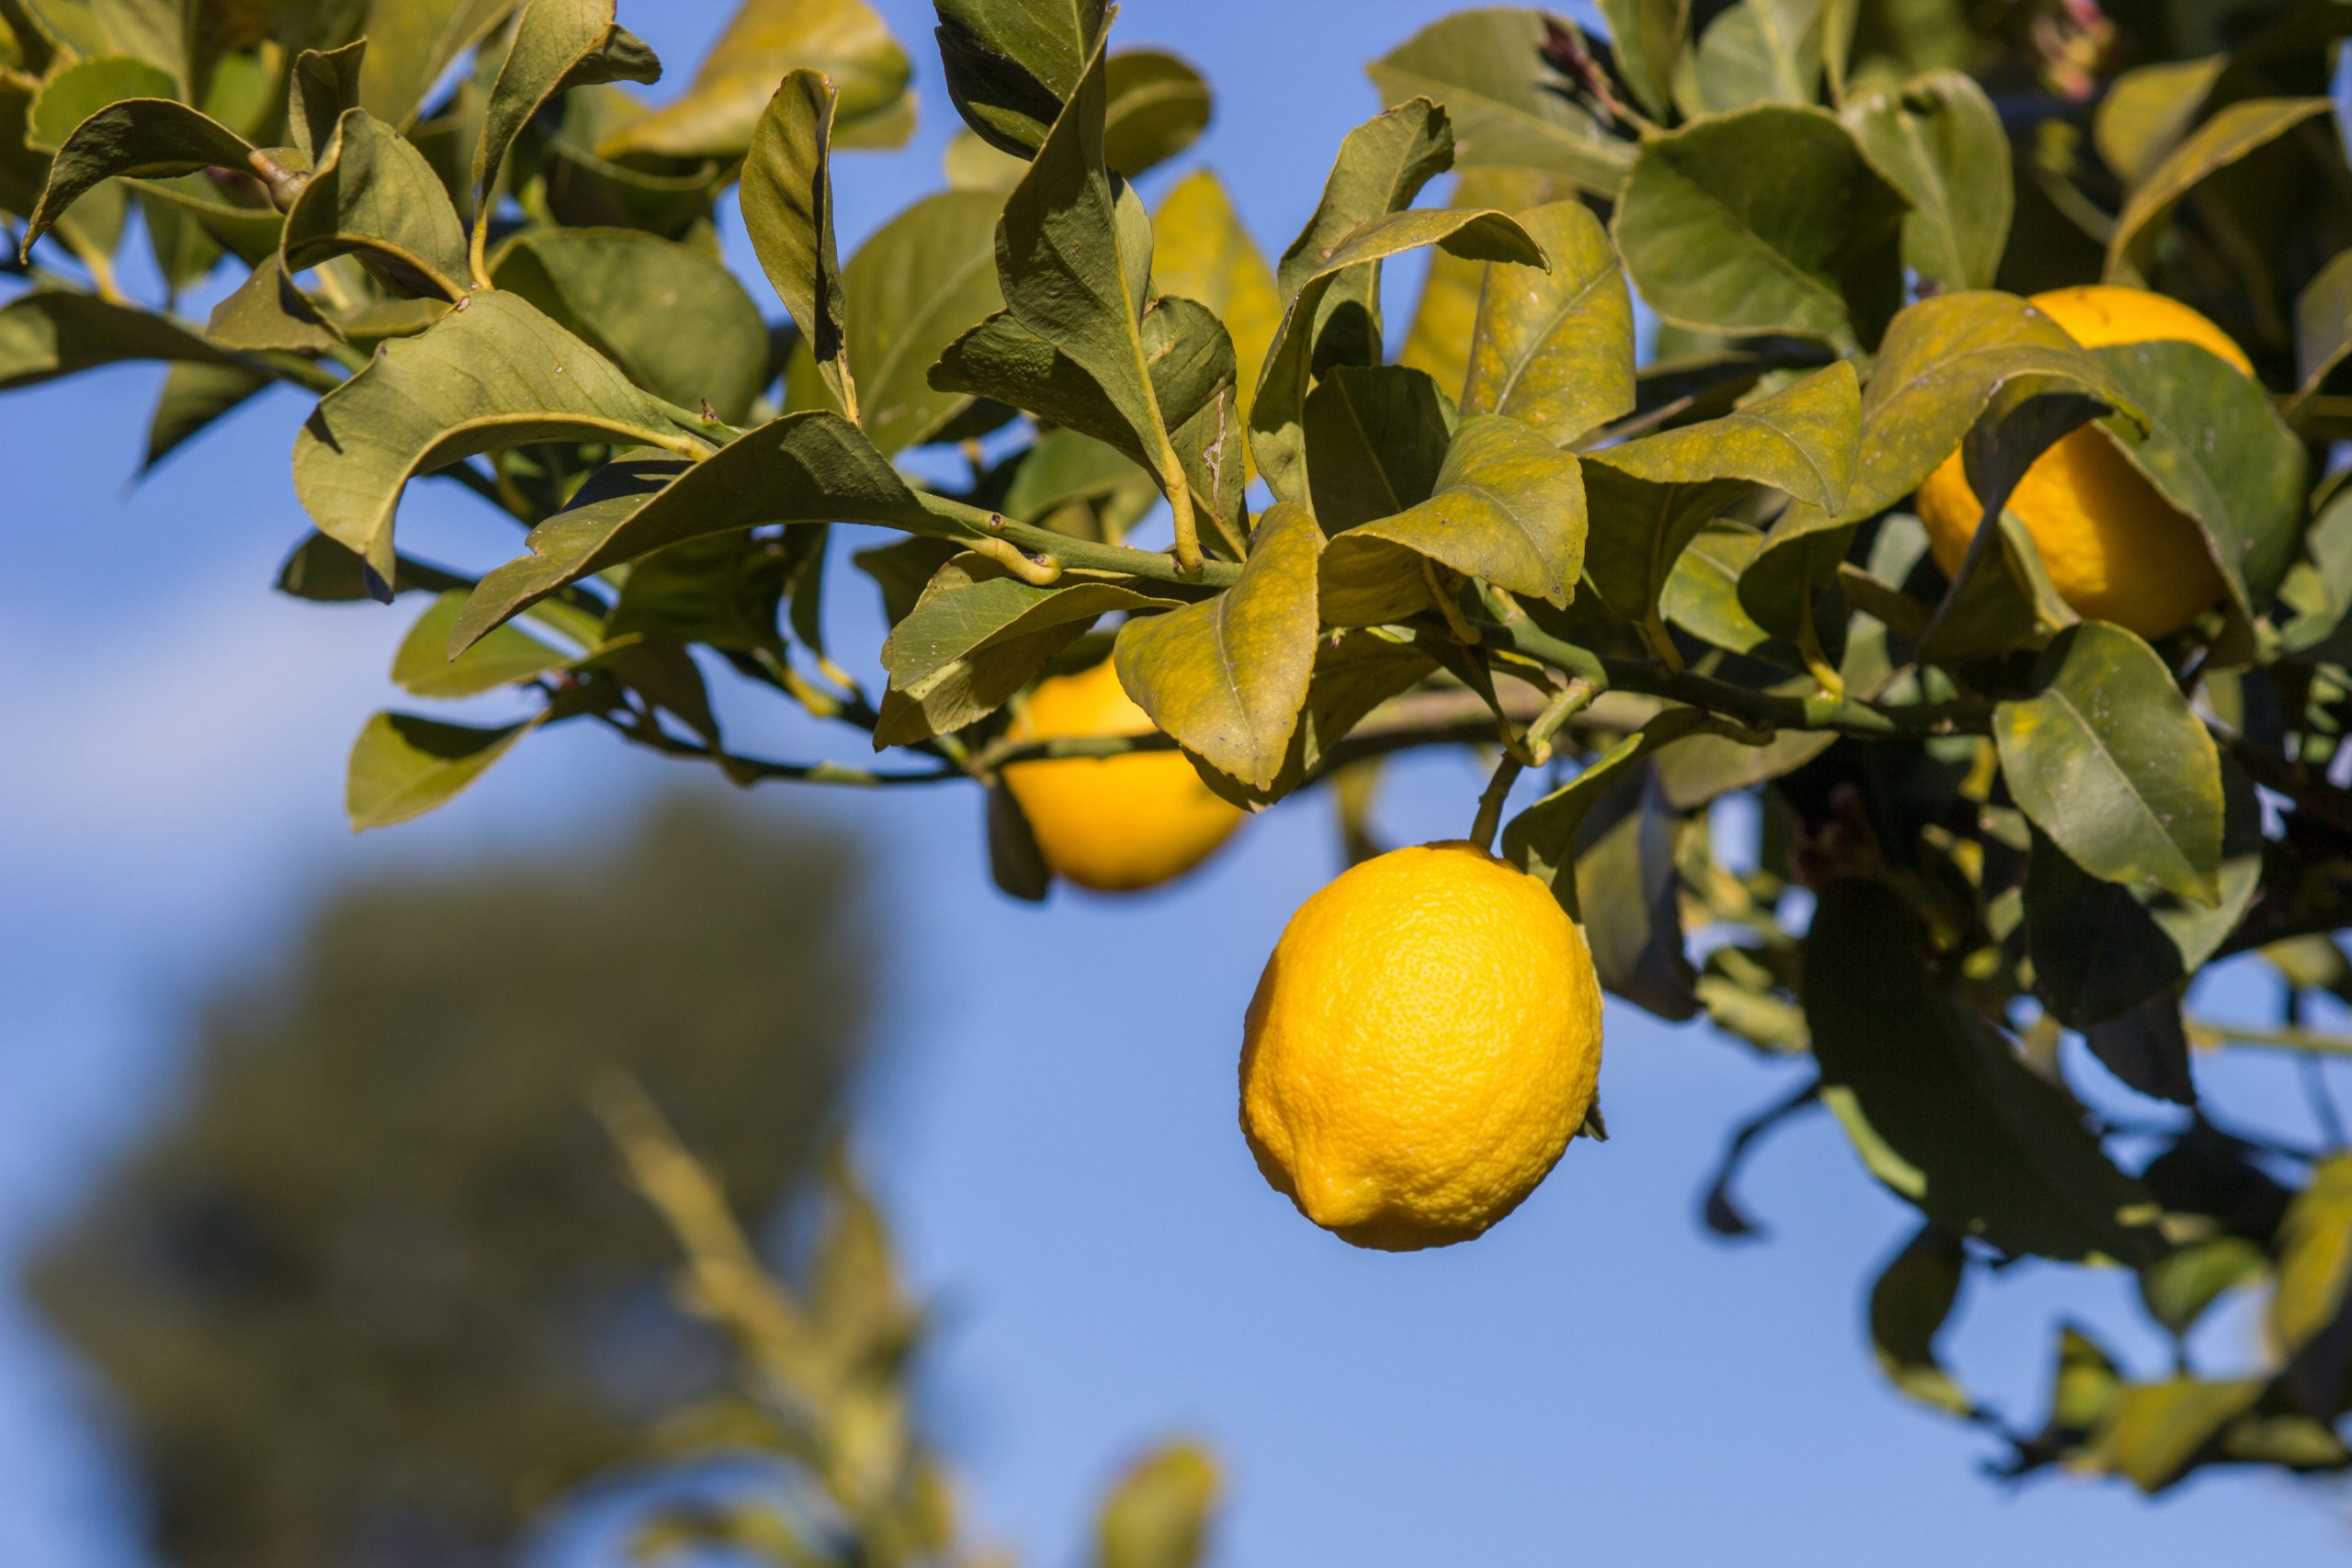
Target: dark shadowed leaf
(2311, 1315)
(1227, 677)
(674, 320)
(1015, 862)
(1379, 435)
(720, 108)
(1939, 140)
(46, 335)
(1910, 1302)
(2236, 131)
(267, 312)
(374, 194)
(812, 466)
(1939, 1106)
(1628, 896)
(1541, 841)
(403, 766)
(787, 196)
(2099, 949)
(1486, 68)
(1812, 251)
(2147, 1047)
(195, 395)
(1718, 1210)
(1554, 349)
(2108, 759)
(325, 572)
(2324, 323)
(1012, 64)
(496, 374)
(1507, 508)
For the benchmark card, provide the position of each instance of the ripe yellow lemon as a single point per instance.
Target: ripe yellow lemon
(2115, 549)
(1114, 824)
(1422, 1045)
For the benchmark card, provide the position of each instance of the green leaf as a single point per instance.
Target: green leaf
(155, 31)
(1939, 1104)
(423, 667)
(1812, 251)
(724, 590)
(2324, 323)
(319, 90)
(1646, 37)
(1509, 508)
(2099, 949)
(2177, 1289)
(1158, 1515)
(1074, 258)
(1446, 316)
(49, 334)
(1158, 106)
(1227, 677)
(787, 196)
(1200, 252)
(325, 572)
(2154, 1432)
(975, 636)
(1757, 51)
(2108, 759)
(1277, 415)
(1486, 67)
(1629, 895)
(2230, 135)
(1379, 435)
(83, 88)
(495, 374)
(403, 766)
(811, 467)
(558, 45)
(195, 395)
(2217, 450)
(923, 280)
(1012, 65)
(1015, 862)
(410, 46)
(1554, 349)
(1541, 841)
(2146, 111)
(1910, 1302)
(373, 195)
(674, 320)
(844, 40)
(2309, 1313)
(151, 138)
(1649, 497)
(1939, 142)
(267, 313)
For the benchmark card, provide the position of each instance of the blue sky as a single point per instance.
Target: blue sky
(1053, 1126)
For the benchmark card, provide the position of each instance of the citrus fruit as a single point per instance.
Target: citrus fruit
(1114, 824)
(1422, 1044)
(2115, 550)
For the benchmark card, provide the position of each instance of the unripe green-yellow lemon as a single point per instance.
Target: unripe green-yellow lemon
(1114, 824)
(1422, 1045)
(2116, 550)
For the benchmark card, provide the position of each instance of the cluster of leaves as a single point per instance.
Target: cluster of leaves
(1692, 576)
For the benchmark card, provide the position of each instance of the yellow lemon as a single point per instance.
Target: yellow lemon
(1422, 1045)
(2115, 549)
(1114, 824)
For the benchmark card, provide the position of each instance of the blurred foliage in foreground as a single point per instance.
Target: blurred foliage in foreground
(376, 1289)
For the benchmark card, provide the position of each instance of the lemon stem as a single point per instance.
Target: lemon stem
(1490, 805)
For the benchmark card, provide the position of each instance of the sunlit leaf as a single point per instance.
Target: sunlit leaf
(1757, 51)
(1157, 1515)
(719, 110)
(374, 194)
(1011, 64)
(2311, 1315)
(557, 45)
(1646, 37)
(1486, 68)
(149, 137)
(1939, 142)
(423, 667)
(1227, 677)
(71, 96)
(1554, 349)
(403, 766)
(1445, 318)
(2146, 111)
(787, 196)
(2154, 1432)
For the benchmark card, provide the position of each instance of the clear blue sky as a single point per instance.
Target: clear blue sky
(1596, 1380)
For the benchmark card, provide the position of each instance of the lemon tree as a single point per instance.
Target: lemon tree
(1911, 420)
